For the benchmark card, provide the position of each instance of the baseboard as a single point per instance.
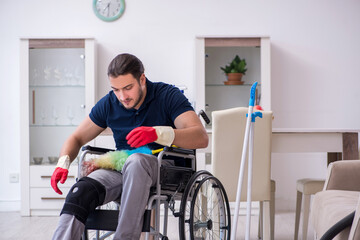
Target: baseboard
(9, 205)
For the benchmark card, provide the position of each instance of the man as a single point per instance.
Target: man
(139, 112)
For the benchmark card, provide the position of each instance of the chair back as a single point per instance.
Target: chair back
(228, 129)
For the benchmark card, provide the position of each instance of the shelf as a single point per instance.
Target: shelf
(53, 125)
(56, 86)
(219, 84)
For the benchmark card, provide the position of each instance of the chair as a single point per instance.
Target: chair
(305, 188)
(339, 198)
(228, 129)
(198, 216)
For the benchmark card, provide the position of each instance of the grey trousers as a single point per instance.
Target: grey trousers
(132, 186)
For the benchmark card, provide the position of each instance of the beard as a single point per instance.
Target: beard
(136, 100)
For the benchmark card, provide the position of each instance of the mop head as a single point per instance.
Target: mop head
(112, 160)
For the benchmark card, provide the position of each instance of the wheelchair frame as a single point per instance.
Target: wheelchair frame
(191, 208)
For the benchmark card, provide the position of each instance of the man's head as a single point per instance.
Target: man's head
(127, 79)
(126, 63)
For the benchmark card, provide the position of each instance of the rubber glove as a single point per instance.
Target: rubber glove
(141, 136)
(60, 173)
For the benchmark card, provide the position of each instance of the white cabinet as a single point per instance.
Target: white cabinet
(213, 52)
(57, 89)
(43, 199)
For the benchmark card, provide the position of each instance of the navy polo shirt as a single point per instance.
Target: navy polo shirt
(163, 103)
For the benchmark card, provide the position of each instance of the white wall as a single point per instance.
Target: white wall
(315, 54)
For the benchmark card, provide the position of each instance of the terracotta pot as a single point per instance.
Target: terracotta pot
(234, 79)
(234, 76)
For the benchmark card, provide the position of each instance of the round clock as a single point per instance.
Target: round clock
(108, 10)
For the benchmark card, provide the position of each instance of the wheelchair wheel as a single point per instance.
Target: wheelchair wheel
(209, 211)
(185, 204)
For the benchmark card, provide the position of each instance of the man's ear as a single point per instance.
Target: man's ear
(142, 80)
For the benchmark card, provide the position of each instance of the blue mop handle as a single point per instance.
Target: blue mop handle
(252, 94)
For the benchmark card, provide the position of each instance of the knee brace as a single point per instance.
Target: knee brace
(84, 197)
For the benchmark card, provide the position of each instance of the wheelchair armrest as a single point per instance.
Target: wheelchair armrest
(96, 149)
(179, 150)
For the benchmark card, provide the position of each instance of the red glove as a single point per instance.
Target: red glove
(60, 173)
(141, 136)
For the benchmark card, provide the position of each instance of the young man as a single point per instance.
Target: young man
(139, 112)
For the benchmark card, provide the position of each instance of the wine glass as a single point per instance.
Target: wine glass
(47, 74)
(43, 116)
(57, 75)
(54, 115)
(35, 76)
(70, 114)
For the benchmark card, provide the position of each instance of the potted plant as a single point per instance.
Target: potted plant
(234, 71)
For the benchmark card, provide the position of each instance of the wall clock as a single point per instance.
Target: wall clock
(108, 10)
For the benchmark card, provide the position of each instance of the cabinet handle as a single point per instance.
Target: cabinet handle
(50, 176)
(52, 198)
(33, 103)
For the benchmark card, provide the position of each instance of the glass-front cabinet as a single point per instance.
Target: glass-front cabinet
(57, 92)
(213, 91)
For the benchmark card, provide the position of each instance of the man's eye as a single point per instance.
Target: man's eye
(128, 88)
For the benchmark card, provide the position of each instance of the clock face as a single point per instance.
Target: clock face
(108, 10)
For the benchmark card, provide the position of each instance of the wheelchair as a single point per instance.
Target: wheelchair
(197, 199)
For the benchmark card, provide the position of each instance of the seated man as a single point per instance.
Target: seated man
(139, 112)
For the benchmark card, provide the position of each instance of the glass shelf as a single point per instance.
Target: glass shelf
(53, 125)
(222, 84)
(56, 86)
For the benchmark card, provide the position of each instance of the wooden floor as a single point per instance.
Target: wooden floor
(15, 227)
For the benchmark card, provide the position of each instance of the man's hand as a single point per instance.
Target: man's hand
(60, 173)
(141, 136)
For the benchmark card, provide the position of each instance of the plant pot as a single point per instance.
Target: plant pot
(234, 79)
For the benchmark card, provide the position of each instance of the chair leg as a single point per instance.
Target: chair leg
(306, 216)
(261, 212)
(297, 214)
(266, 220)
(272, 215)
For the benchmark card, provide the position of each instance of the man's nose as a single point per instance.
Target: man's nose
(122, 95)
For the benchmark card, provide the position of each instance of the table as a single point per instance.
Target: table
(338, 143)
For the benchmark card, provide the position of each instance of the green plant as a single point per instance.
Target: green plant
(237, 65)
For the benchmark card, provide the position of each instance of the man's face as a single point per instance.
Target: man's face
(128, 90)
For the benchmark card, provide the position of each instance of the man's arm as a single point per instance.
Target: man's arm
(85, 132)
(189, 132)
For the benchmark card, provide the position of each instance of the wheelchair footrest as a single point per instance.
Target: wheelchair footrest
(106, 220)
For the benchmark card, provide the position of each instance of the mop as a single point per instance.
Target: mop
(248, 140)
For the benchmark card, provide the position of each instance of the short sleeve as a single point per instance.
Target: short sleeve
(99, 112)
(177, 103)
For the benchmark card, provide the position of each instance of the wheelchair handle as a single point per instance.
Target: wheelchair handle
(204, 116)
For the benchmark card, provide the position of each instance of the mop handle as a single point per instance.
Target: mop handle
(241, 175)
(243, 159)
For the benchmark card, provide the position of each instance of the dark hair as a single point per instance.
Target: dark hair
(124, 64)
